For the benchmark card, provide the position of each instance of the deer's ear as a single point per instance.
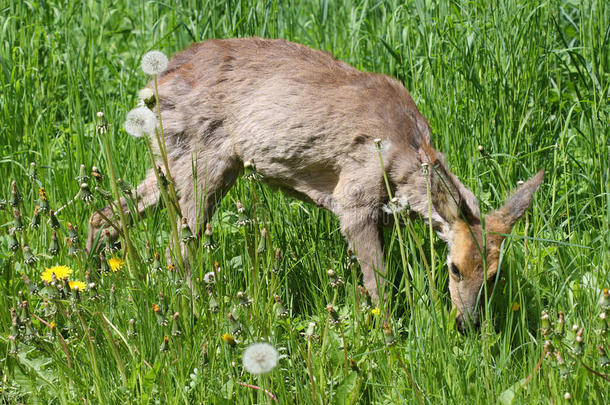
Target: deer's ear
(518, 203)
(450, 198)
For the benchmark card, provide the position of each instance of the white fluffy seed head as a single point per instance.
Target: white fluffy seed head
(140, 121)
(145, 93)
(154, 63)
(260, 358)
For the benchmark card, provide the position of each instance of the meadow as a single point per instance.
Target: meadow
(528, 82)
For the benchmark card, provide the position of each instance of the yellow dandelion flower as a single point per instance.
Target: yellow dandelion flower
(60, 272)
(77, 284)
(115, 263)
(228, 339)
(52, 325)
(515, 306)
(375, 311)
(155, 308)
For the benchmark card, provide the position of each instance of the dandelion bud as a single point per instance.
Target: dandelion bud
(262, 243)
(18, 222)
(53, 219)
(85, 193)
(242, 218)
(605, 300)
(147, 97)
(104, 266)
(277, 262)
(157, 266)
(353, 365)
(13, 243)
(28, 257)
(212, 302)
(309, 333)
(125, 187)
(244, 301)
(482, 151)
(574, 328)
(82, 175)
(567, 396)
(154, 63)
(250, 172)
(131, 329)
(2, 204)
(390, 339)
(32, 175)
(186, 233)
(228, 339)
(520, 183)
(377, 142)
(43, 201)
(72, 247)
(578, 342)
(102, 125)
(280, 310)
(235, 325)
(16, 197)
(548, 347)
(367, 302)
(175, 325)
(35, 221)
(545, 323)
(72, 233)
(109, 245)
(163, 179)
(106, 195)
(334, 316)
(208, 242)
(335, 281)
(165, 345)
(159, 314)
(560, 325)
(96, 174)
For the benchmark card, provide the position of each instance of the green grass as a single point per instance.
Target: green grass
(528, 82)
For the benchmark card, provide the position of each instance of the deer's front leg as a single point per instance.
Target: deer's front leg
(361, 228)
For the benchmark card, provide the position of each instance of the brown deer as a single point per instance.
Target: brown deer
(309, 123)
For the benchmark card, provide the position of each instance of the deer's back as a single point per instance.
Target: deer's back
(285, 106)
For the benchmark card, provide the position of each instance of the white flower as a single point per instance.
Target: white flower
(145, 93)
(396, 205)
(154, 62)
(260, 358)
(140, 121)
(208, 278)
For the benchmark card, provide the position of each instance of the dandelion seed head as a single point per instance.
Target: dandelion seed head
(140, 121)
(260, 358)
(145, 93)
(154, 62)
(396, 205)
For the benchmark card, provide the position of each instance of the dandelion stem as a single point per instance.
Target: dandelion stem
(131, 253)
(170, 208)
(403, 254)
(430, 269)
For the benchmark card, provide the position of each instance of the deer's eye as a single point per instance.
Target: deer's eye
(456, 271)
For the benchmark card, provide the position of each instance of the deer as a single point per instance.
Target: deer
(309, 124)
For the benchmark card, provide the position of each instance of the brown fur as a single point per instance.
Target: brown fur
(308, 122)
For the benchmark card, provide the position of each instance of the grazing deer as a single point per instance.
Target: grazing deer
(308, 122)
